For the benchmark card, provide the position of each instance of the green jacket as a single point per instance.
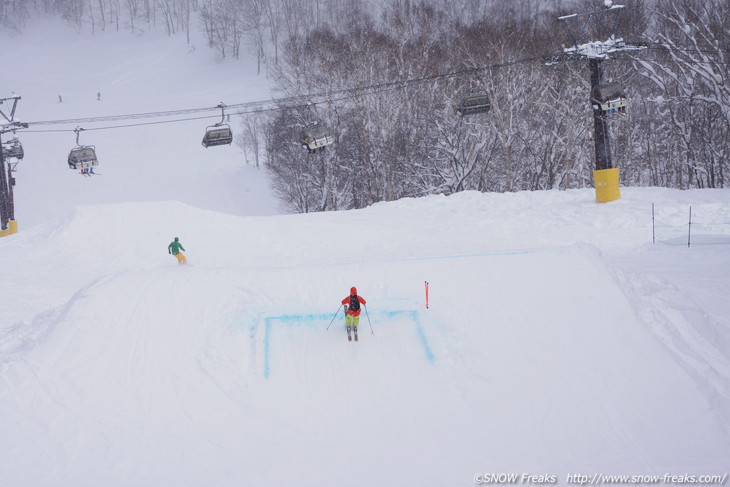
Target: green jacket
(175, 247)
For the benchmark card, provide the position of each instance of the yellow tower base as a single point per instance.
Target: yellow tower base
(606, 182)
(12, 228)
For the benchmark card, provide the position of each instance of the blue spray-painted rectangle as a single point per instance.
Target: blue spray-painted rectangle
(318, 319)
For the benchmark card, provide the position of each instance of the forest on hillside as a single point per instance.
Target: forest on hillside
(385, 78)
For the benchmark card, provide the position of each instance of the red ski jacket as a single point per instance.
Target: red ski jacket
(352, 312)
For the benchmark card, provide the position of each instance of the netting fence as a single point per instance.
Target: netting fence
(693, 232)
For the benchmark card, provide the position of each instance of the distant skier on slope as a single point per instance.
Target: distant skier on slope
(174, 248)
(352, 311)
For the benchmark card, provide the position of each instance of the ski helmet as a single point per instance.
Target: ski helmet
(353, 291)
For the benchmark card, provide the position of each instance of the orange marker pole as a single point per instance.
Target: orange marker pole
(426, 294)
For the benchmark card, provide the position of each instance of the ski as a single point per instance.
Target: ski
(355, 334)
(349, 335)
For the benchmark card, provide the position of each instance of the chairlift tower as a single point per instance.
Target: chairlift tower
(602, 24)
(8, 225)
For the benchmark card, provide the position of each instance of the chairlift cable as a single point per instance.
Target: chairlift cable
(296, 100)
(149, 123)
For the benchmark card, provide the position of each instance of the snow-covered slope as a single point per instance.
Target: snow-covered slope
(557, 341)
(120, 367)
(133, 73)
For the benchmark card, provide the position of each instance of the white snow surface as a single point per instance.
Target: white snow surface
(558, 340)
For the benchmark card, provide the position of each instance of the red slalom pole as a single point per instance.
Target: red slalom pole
(426, 294)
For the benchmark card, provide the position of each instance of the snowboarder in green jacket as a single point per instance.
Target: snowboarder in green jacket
(174, 248)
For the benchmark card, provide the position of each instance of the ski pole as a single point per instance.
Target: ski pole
(333, 318)
(368, 317)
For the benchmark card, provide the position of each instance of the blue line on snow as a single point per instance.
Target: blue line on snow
(267, 347)
(307, 320)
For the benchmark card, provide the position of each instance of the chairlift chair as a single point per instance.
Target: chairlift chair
(82, 156)
(218, 134)
(13, 148)
(316, 136)
(474, 104)
(609, 98)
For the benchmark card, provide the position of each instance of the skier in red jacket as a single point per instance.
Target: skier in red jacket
(352, 311)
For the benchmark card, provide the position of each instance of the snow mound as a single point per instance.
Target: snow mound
(128, 368)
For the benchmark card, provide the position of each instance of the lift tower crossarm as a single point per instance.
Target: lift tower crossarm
(12, 110)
